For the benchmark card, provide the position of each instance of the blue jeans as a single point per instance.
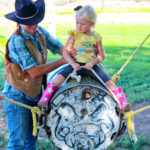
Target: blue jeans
(20, 124)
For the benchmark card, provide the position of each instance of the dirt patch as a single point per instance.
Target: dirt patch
(142, 121)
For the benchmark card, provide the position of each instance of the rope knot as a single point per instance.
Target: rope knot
(37, 110)
(116, 78)
(129, 117)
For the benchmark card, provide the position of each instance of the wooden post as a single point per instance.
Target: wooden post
(51, 17)
(9, 23)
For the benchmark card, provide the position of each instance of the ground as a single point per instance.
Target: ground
(142, 121)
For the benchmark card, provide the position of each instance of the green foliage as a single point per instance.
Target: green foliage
(143, 143)
(3, 140)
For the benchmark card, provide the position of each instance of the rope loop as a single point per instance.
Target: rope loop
(34, 110)
(34, 122)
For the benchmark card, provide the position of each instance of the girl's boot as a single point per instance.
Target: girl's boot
(49, 91)
(123, 101)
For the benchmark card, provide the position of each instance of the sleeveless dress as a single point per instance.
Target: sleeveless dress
(84, 45)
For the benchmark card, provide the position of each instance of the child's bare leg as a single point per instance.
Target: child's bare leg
(111, 85)
(58, 80)
(120, 95)
(49, 91)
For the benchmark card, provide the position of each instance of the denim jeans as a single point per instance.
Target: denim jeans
(20, 124)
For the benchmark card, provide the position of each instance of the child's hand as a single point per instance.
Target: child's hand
(1, 97)
(73, 52)
(76, 66)
(89, 65)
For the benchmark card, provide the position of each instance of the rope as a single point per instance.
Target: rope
(73, 75)
(116, 76)
(129, 117)
(92, 144)
(34, 110)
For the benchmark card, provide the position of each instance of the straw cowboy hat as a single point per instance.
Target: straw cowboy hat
(27, 12)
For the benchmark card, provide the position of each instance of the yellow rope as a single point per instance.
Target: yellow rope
(92, 144)
(34, 110)
(129, 117)
(116, 76)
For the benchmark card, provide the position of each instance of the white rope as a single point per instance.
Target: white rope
(73, 75)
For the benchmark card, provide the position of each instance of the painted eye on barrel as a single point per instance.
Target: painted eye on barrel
(87, 94)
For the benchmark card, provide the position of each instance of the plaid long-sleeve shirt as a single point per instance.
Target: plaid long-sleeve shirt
(19, 53)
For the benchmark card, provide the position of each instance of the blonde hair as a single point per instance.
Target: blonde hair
(87, 13)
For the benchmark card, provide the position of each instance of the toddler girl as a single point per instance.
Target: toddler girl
(84, 40)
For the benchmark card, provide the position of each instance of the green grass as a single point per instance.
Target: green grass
(41, 145)
(45, 145)
(124, 142)
(119, 41)
(123, 10)
(103, 10)
(109, 10)
(3, 140)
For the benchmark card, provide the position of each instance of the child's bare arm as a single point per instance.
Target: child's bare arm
(67, 53)
(101, 52)
(100, 56)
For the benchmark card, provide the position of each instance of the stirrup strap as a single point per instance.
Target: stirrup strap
(115, 98)
(73, 75)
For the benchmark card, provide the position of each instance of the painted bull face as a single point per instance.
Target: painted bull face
(83, 118)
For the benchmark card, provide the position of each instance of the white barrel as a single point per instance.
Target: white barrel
(83, 116)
